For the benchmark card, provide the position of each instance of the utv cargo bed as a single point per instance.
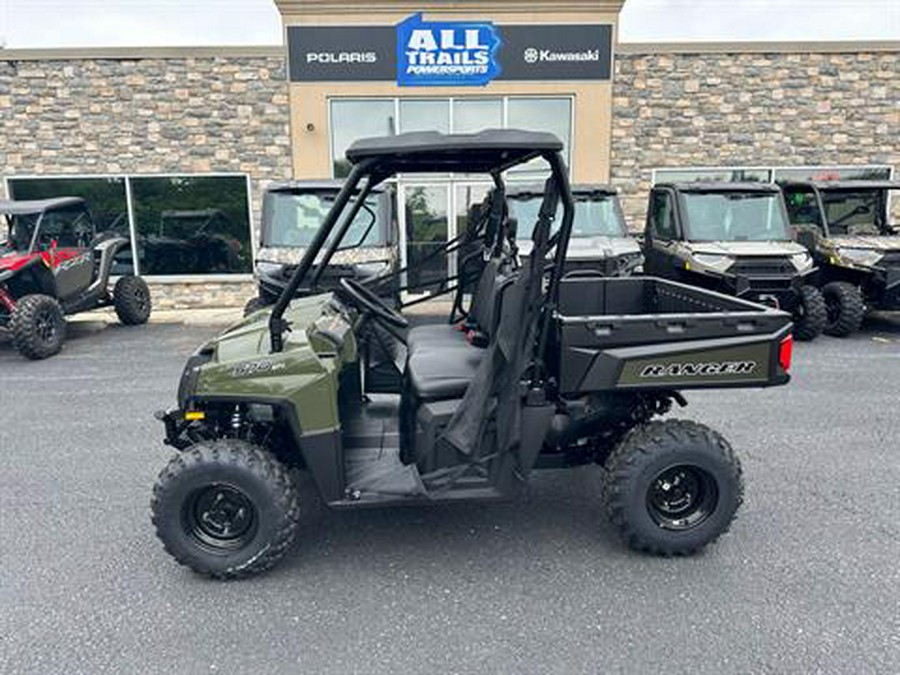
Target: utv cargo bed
(651, 333)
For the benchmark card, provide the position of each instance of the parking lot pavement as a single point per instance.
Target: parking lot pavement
(808, 579)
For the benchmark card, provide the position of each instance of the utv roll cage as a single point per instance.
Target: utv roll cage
(38, 208)
(817, 187)
(489, 152)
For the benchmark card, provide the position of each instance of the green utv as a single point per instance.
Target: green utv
(567, 372)
(846, 227)
(733, 238)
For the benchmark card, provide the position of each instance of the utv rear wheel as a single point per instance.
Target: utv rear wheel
(131, 298)
(810, 316)
(225, 508)
(672, 487)
(845, 307)
(38, 326)
(254, 305)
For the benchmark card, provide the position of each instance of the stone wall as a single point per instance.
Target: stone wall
(149, 115)
(230, 113)
(750, 109)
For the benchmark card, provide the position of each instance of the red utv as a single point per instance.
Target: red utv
(53, 264)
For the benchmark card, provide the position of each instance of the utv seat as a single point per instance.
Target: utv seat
(482, 319)
(442, 372)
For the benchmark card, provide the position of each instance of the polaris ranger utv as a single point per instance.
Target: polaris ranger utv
(600, 242)
(293, 211)
(574, 371)
(733, 238)
(52, 264)
(846, 227)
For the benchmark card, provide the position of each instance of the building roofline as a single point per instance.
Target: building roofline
(781, 47)
(136, 53)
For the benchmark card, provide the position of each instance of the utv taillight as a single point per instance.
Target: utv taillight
(785, 352)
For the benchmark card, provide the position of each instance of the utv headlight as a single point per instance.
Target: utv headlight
(802, 261)
(713, 261)
(864, 257)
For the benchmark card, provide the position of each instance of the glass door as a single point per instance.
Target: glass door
(425, 210)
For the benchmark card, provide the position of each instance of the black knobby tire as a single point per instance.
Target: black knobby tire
(672, 487)
(131, 299)
(38, 326)
(810, 315)
(845, 308)
(254, 305)
(237, 535)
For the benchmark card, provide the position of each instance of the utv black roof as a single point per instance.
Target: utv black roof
(720, 186)
(27, 207)
(578, 190)
(429, 151)
(845, 184)
(310, 185)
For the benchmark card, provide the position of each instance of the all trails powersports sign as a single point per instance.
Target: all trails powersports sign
(447, 53)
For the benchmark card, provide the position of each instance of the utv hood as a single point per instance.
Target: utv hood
(881, 243)
(741, 249)
(250, 337)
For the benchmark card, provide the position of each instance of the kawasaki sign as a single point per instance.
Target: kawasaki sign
(419, 53)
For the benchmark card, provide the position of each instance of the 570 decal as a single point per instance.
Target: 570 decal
(655, 370)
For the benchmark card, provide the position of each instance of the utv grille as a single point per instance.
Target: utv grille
(763, 267)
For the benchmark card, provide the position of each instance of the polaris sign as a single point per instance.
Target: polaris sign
(433, 54)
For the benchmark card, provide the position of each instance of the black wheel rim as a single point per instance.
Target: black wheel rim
(46, 326)
(681, 497)
(832, 309)
(140, 299)
(220, 517)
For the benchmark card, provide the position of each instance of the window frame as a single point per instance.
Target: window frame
(450, 100)
(132, 227)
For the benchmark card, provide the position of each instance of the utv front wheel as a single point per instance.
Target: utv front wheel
(225, 508)
(38, 326)
(810, 316)
(672, 487)
(131, 299)
(846, 308)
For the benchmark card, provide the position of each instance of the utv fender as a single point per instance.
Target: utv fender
(321, 451)
(106, 252)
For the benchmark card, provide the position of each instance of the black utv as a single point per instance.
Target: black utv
(292, 213)
(733, 238)
(846, 226)
(53, 263)
(570, 370)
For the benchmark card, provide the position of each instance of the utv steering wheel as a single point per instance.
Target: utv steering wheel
(366, 301)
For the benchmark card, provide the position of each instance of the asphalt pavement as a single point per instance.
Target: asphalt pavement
(807, 581)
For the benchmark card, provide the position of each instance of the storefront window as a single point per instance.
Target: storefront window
(355, 119)
(833, 173)
(105, 198)
(724, 175)
(192, 224)
(542, 114)
(425, 115)
(473, 115)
